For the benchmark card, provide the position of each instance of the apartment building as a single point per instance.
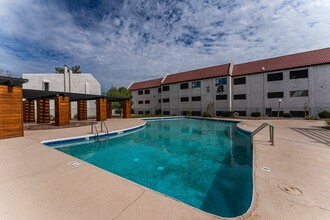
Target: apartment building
(291, 83)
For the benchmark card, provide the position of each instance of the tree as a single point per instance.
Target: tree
(119, 92)
(75, 69)
(6, 73)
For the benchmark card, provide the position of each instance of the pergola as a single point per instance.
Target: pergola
(63, 106)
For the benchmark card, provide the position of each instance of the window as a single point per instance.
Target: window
(166, 88)
(239, 96)
(299, 93)
(184, 86)
(140, 102)
(166, 112)
(147, 91)
(184, 99)
(140, 112)
(196, 84)
(147, 112)
(147, 102)
(221, 97)
(195, 98)
(299, 113)
(46, 86)
(298, 74)
(159, 90)
(239, 81)
(274, 77)
(272, 95)
(166, 100)
(241, 113)
(159, 101)
(196, 113)
(221, 81)
(140, 92)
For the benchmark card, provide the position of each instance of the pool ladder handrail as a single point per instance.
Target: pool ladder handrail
(93, 126)
(271, 131)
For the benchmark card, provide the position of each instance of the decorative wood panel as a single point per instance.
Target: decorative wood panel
(43, 111)
(29, 112)
(11, 111)
(101, 109)
(62, 110)
(109, 109)
(126, 105)
(82, 110)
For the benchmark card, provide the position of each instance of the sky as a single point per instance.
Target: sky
(125, 41)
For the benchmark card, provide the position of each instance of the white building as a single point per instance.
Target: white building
(83, 83)
(285, 84)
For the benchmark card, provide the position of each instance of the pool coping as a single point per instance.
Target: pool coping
(27, 164)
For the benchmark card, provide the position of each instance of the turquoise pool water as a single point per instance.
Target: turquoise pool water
(206, 164)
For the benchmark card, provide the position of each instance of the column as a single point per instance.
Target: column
(126, 106)
(101, 109)
(43, 111)
(62, 110)
(82, 110)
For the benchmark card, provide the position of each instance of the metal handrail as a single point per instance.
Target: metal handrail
(271, 131)
(93, 125)
(106, 128)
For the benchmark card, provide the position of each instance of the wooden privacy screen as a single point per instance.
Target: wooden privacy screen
(11, 111)
(109, 109)
(126, 105)
(62, 107)
(82, 110)
(43, 112)
(29, 112)
(101, 109)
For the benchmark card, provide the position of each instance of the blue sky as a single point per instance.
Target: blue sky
(123, 41)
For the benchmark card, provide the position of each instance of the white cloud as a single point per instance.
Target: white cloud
(145, 39)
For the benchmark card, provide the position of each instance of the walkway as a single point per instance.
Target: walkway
(36, 182)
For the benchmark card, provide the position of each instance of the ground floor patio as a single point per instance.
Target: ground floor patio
(37, 182)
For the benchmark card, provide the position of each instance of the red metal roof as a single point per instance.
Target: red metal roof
(308, 58)
(209, 72)
(146, 84)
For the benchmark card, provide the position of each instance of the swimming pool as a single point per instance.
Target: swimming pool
(204, 163)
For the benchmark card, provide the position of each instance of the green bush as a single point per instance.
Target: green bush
(328, 122)
(158, 112)
(287, 115)
(324, 114)
(310, 117)
(227, 114)
(255, 114)
(206, 114)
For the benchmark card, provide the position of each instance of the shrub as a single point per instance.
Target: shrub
(158, 112)
(255, 114)
(328, 122)
(132, 111)
(227, 114)
(206, 114)
(310, 117)
(118, 111)
(324, 114)
(287, 115)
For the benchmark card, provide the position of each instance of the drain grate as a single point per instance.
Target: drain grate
(265, 169)
(73, 163)
(292, 190)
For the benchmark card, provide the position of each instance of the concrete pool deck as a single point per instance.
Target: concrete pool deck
(36, 182)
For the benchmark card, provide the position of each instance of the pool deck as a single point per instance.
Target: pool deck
(36, 182)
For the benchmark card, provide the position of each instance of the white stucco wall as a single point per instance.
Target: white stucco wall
(83, 83)
(256, 89)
